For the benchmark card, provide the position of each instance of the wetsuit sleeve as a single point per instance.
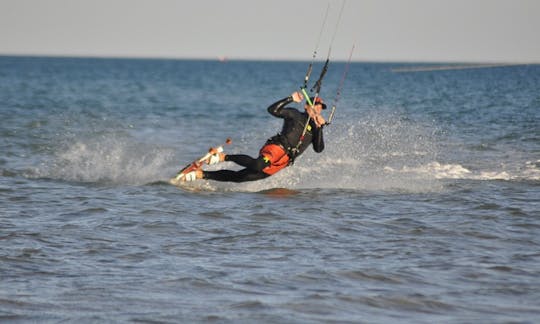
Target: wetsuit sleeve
(276, 109)
(318, 140)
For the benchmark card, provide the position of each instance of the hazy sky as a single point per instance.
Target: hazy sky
(382, 30)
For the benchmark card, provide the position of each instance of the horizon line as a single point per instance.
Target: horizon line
(224, 59)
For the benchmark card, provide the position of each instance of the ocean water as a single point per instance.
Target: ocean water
(423, 208)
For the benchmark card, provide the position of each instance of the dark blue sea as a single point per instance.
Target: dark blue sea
(423, 208)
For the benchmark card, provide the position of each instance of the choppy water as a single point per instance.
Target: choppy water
(424, 207)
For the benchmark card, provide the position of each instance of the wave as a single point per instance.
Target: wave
(529, 171)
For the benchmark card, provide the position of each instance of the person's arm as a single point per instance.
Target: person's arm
(318, 140)
(276, 109)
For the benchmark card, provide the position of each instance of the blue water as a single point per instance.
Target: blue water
(424, 206)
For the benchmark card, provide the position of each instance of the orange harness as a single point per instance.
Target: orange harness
(277, 157)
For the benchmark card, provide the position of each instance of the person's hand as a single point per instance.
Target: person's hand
(297, 96)
(319, 120)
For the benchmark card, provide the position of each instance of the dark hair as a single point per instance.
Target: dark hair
(317, 101)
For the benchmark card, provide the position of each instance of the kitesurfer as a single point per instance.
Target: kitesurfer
(280, 150)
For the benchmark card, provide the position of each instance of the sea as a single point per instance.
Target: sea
(424, 206)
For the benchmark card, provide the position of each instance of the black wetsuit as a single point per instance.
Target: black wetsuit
(288, 138)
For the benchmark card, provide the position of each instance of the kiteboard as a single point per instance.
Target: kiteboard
(179, 178)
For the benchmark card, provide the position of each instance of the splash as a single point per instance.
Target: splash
(357, 156)
(380, 152)
(108, 160)
(383, 152)
(359, 153)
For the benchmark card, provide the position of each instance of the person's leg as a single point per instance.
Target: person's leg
(253, 170)
(234, 176)
(248, 162)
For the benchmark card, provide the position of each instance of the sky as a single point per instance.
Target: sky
(486, 31)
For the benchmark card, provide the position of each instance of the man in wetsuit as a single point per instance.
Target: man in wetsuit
(280, 150)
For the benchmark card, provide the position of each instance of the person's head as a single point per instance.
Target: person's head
(318, 104)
